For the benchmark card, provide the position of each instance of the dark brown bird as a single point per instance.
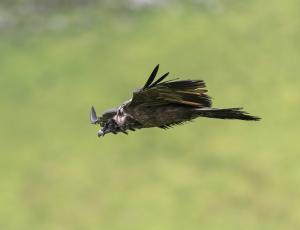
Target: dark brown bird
(163, 104)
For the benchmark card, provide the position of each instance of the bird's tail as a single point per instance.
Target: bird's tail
(231, 113)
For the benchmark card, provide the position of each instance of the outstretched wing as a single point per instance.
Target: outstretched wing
(159, 92)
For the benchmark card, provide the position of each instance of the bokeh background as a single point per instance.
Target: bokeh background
(57, 58)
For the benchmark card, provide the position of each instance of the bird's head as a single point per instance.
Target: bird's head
(106, 121)
(109, 127)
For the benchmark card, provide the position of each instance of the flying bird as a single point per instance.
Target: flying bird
(163, 103)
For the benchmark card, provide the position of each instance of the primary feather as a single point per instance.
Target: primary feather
(152, 77)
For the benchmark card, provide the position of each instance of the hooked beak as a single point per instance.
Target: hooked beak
(93, 116)
(100, 133)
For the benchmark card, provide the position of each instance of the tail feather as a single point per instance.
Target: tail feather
(231, 113)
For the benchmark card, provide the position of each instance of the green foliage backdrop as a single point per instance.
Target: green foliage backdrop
(210, 174)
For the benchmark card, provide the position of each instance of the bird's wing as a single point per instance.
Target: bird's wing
(159, 92)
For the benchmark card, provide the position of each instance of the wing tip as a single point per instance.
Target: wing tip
(151, 77)
(93, 116)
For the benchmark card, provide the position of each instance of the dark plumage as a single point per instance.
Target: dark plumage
(163, 104)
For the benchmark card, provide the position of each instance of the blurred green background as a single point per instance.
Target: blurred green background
(60, 57)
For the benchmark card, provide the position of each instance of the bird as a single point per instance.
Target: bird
(164, 104)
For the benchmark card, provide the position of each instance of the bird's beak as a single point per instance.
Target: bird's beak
(101, 133)
(93, 116)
